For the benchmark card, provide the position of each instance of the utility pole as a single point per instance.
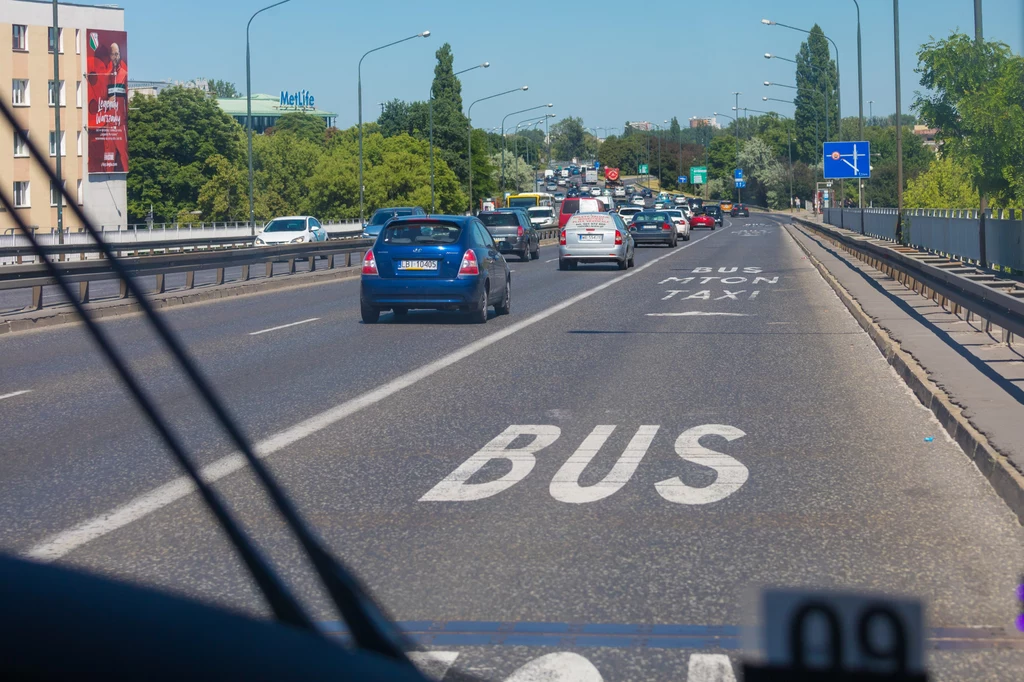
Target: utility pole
(739, 191)
(56, 123)
(899, 122)
(982, 199)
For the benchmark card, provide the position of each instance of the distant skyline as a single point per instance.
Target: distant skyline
(607, 63)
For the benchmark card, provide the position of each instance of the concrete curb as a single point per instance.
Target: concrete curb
(174, 299)
(1006, 480)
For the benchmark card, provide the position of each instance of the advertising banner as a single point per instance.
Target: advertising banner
(106, 60)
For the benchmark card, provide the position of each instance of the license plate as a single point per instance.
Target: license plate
(591, 237)
(417, 265)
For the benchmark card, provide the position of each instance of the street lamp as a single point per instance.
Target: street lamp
(469, 120)
(521, 111)
(839, 89)
(425, 34)
(430, 106)
(248, 111)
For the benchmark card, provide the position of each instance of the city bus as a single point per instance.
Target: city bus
(530, 199)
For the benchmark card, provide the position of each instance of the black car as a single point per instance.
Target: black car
(512, 232)
(695, 203)
(646, 193)
(740, 210)
(653, 227)
(712, 210)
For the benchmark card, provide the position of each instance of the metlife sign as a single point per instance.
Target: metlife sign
(303, 99)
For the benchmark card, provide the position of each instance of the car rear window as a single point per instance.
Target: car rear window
(570, 205)
(499, 219)
(541, 213)
(422, 233)
(591, 220)
(382, 216)
(650, 218)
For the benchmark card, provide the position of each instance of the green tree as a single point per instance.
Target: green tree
(519, 177)
(450, 124)
(305, 126)
(170, 138)
(674, 131)
(222, 89)
(815, 82)
(394, 120)
(944, 185)
(766, 176)
(225, 196)
(568, 139)
(283, 164)
(484, 184)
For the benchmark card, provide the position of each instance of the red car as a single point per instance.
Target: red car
(701, 220)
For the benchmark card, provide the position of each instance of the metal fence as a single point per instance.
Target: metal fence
(950, 232)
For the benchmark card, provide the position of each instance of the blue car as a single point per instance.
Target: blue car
(437, 262)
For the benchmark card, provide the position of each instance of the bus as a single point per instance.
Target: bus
(530, 199)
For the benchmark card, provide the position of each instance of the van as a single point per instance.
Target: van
(573, 205)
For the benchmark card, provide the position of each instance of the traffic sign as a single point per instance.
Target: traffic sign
(681, 180)
(611, 173)
(846, 159)
(741, 183)
(738, 174)
(642, 170)
(699, 174)
(597, 165)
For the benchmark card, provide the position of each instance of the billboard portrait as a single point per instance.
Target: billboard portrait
(106, 60)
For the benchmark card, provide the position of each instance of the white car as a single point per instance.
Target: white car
(561, 181)
(681, 200)
(680, 221)
(620, 192)
(542, 217)
(627, 213)
(595, 191)
(296, 229)
(638, 201)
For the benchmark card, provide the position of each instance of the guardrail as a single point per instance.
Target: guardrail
(35, 275)
(950, 283)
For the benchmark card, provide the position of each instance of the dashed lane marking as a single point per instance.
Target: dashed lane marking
(15, 394)
(696, 313)
(283, 326)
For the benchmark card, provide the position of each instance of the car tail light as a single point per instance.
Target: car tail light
(520, 232)
(618, 237)
(469, 265)
(666, 226)
(561, 238)
(369, 263)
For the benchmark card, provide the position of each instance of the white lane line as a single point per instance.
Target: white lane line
(710, 668)
(64, 542)
(695, 313)
(16, 393)
(283, 326)
(433, 664)
(550, 260)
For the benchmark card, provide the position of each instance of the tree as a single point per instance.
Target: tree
(222, 89)
(450, 124)
(519, 177)
(815, 82)
(225, 196)
(674, 131)
(484, 184)
(170, 138)
(944, 185)
(304, 126)
(394, 120)
(283, 164)
(766, 177)
(568, 139)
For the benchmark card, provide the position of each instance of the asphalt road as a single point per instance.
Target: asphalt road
(708, 423)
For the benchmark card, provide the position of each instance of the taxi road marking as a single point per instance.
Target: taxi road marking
(283, 326)
(64, 542)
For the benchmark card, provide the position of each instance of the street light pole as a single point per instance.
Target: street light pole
(469, 154)
(504, 145)
(430, 106)
(739, 192)
(425, 34)
(839, 90)
(899, 121)
(979, 38)
(56, 122)
(860, 116)
(248, 111)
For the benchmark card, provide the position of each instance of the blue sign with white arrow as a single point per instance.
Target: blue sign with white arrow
(846, 160)
(738, 174)
(597, 165)
(681, 179)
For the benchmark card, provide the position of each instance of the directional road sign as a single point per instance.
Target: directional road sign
(738, 174)
(642, 170)
(741, 183)
(847, 159)
(681, 180)
(597, 165)
(699, 174)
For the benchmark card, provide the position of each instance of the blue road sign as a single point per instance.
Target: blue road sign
(741, 183)
(738, 174)
(597, 165)
(681, 179)
(846, 160)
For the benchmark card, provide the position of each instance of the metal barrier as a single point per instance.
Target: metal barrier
(951, 232)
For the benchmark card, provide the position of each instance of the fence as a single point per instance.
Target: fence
(950, 232)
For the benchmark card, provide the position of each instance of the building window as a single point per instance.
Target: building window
(78, 94)
(53, 143)
(55, 194)
(49, 40)
(20, 92)
(20, 148)
(21, 195)
(80, 195)
(51, 96)
(19, 38)
(78, 41)
(79, 142)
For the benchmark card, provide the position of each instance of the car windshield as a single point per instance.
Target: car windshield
(499, 219)
(382, 216)
(421, 233)
(286, 225)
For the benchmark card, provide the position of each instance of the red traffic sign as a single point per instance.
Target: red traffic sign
(611, 174)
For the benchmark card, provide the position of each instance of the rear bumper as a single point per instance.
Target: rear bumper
(428, 294)
(512, 244)
(659, 237)
(593, 254)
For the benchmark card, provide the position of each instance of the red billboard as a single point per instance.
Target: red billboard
(611, 174)
(106, 60)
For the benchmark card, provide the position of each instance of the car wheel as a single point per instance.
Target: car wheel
(535, 255)
(506, 305)
(686, 237)
(623, 264)
(630, 262)
(400, 312)
(573, 265)
(563, 264)
(478, 314)
(369, 314)
(524, 255)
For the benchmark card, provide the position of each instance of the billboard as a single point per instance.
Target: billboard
(106, 63)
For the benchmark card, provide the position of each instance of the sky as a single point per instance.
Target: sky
(602, 60)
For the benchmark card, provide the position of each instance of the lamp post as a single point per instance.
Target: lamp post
(899, 121)
(528, 123)
(839, 90)
(659, 155)
(736, 120)
(425, 34)
(469, 120)
(860, 114)
(503, 145)
(248, 112)
(56, 123)
(769, 55)
(871, 111)
(430, 106)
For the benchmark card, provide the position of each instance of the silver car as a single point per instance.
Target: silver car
(595, 238)
(682, 223)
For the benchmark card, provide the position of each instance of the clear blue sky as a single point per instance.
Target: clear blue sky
(606, 61)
